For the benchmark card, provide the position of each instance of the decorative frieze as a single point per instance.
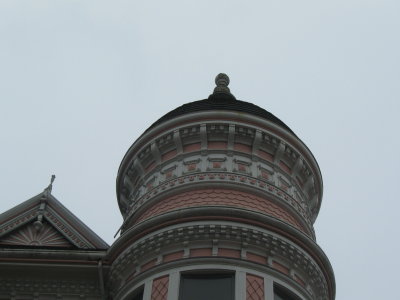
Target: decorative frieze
(221, 239)
(221, 162)
(265, 186)
(69, 233)
(18, 221)
(35, 288)
(254, 152)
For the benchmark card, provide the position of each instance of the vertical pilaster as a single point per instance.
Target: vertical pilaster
(147, 289)
(178, 142)
(240, 285)
(231, 138)
(156, 153)
(268, 289)
(173, 286)
(203, 139)
(256, 144)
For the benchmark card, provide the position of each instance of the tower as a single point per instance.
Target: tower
(219, 198)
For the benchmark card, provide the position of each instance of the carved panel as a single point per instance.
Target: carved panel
(169, 173)
(241, 166)
(39, 235)
(160, 288)
(217, 162)
(191, 165)
(254, 287)
(264, 173)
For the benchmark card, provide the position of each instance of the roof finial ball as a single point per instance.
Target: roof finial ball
(222, 82)
(222, 79)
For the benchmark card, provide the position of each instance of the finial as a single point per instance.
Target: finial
(50, 186)
(222, 82)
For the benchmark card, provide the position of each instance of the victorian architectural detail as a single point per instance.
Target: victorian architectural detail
(218, 198)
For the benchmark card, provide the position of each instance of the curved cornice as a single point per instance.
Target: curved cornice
(246, 216)
(251, 225)
(214, 264)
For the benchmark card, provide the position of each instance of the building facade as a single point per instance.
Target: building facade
(218, 198)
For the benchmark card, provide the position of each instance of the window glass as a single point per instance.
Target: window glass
(281, 293)
(138, 295)
(207, 287)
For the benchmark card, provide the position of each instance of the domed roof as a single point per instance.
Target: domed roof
(221, 99)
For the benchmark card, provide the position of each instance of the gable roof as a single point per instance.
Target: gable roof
(43, 221)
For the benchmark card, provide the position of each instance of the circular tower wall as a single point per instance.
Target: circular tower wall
(219, 193)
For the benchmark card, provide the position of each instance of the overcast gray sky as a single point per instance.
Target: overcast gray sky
(81, 80)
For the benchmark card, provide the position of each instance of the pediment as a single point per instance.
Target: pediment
(36, 234)
(43, 221)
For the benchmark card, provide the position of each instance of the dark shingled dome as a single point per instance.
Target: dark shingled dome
(221, 101)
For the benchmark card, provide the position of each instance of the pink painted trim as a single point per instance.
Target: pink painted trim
(148, 265)
(217, 145)
(284, 167)
(168, 155)
(265, 155)
(200, 252)
(225, 252)
(281, 268)
(150, 167)
(192, 147)
(173, 256)
(299, 280)
(256, 258)
(242, 148)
